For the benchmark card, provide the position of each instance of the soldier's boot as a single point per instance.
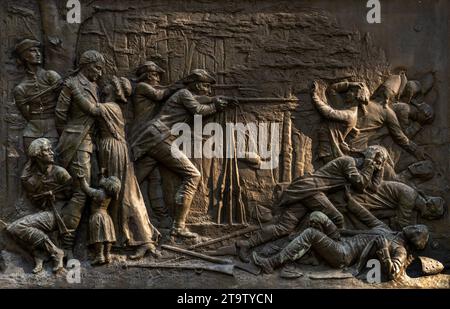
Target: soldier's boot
(269, 264)
(157, 203)
(71, 215)
(182, 232)
(67, 243)
(99, 257)
(244, 247)
(161, 213)
(38, 262)
(179, 228)
(107, 252)
(143, 249)
(56, 254)
(295, 250)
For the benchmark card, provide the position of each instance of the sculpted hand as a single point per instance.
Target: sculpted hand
(382, 242)
(49, 195)
(220, 103)
(314, 86)
(353, 133)
(396, 269)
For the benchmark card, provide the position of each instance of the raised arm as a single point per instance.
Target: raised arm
(326, 110)
(95, 194)
(359, 180)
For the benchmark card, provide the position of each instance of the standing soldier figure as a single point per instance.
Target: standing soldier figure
(154, 144)
(148, 98)
(37, 94)
(75, 121)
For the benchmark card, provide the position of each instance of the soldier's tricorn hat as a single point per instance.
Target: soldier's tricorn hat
(199, 75)
(148, 66)
(25, 45)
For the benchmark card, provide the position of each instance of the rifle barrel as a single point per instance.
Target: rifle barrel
(223, 269)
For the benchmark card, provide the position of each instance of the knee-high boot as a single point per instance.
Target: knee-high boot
(244, 246)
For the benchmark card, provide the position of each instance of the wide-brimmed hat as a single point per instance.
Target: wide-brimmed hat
(199, 75)
(148, 66)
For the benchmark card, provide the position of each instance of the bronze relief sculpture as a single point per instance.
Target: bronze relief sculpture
(356, 145)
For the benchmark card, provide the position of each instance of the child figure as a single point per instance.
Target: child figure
(101, 227)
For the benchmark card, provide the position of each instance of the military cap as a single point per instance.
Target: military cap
(25, 45)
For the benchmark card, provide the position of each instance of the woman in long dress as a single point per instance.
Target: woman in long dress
(128, 212)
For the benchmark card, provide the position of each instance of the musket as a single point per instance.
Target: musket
(229, 236)
(346, 232)
(248, 267)
(226, 269)
(267, 100)
(59, 221)
(37, 95)
(55, 190)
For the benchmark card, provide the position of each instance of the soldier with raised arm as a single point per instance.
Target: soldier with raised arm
(380, 120)
(339, 122)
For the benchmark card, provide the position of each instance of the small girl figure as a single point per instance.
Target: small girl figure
(101, 227)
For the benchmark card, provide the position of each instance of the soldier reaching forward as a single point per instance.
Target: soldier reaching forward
(154, 144)
(148, 99)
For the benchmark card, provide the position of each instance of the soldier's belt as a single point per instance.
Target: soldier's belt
(49, 116)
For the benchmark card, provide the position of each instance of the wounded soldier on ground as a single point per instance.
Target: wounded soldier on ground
(399, 202)
(393, 249)
(306, 194)
(48, 187)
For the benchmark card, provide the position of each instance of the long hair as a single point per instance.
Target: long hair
(112, 186)
(122, 88)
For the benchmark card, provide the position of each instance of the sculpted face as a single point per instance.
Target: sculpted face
(351, 95)
(203, 88)
(32, 56)
(154, 78)
(417, 235)
(47, 154)
(93, 71)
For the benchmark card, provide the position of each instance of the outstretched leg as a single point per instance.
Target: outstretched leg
(332, 251)
(286, 224)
